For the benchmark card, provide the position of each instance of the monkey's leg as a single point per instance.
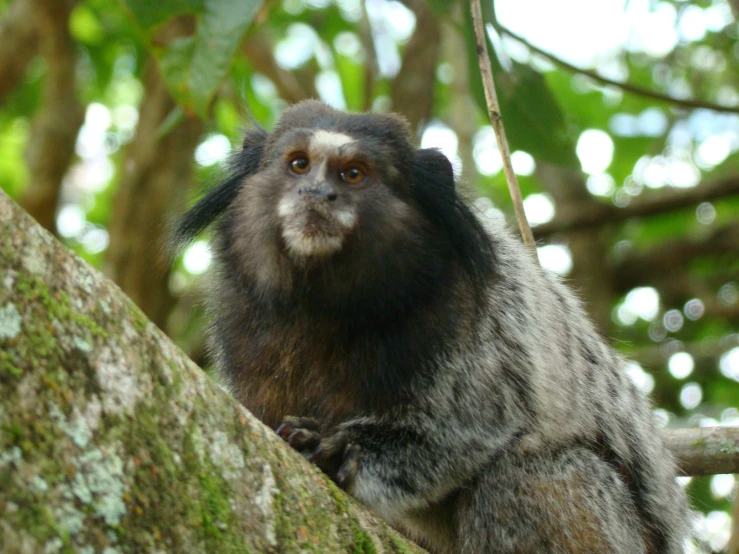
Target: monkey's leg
(565, 502)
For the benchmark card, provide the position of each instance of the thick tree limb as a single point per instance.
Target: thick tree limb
(648, 204)
(705, 451)
(111, 438)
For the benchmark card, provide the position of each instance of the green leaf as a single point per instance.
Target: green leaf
(194, 67)
(532, 117)
(150, 13)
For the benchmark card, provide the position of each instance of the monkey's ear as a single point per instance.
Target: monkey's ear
(434, 170)
(242, 163)
(435, 192)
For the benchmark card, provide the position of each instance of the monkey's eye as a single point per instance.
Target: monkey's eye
(300, 165)
(352, 175)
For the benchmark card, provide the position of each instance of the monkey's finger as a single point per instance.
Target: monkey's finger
(300, 439)
(285, 430)
(290, 423)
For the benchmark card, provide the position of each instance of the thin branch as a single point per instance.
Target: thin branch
(649, 204)
(462, 104)
(486, 72)
(705, 451)
(634, 89)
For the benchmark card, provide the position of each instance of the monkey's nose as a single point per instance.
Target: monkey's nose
(317, 192)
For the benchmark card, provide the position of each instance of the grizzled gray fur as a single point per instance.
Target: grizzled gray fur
(419, 355)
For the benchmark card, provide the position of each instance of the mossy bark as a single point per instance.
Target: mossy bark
(112, 441)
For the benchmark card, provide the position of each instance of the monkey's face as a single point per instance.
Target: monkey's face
(323, 195)
(323, 176)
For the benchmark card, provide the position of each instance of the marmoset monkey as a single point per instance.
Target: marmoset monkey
(418, 354)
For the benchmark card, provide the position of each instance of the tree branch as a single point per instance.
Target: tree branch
(648, 204)
(496, 119)
(705, 451)
(683, 103)
(112, 439)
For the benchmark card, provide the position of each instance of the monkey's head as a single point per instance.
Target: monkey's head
(345, 198)
(326, 178)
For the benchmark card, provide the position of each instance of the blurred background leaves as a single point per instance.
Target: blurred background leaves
(622, 115)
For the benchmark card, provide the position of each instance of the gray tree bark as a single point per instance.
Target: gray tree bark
(112, 440)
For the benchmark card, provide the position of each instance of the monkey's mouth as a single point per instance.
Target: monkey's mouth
(313, 229)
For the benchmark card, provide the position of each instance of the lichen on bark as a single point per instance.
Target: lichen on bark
(112, 441)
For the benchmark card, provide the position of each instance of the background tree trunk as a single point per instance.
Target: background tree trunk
(54, 130)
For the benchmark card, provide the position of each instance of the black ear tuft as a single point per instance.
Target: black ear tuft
(241, 164)
(435, 191)
(434, 165)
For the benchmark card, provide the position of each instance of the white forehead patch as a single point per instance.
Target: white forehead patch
(329, 141)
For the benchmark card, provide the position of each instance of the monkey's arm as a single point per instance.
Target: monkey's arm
(397, 465)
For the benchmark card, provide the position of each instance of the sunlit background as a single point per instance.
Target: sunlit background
(678, 323)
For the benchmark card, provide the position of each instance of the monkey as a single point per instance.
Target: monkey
(415, 351)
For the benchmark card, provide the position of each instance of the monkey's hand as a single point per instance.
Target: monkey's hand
(335, 455)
